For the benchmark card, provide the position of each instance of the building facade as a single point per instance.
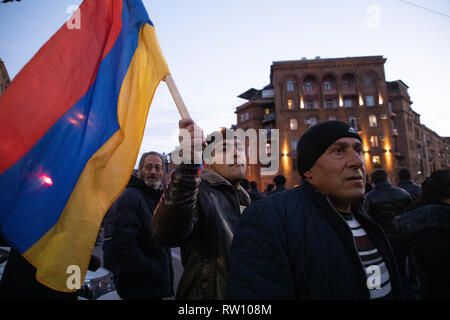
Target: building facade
(304, 92)
(4, 77)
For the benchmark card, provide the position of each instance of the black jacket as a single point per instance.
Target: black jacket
(386, 202)
(414, 190)
(199, 214)
(428, 231)
(295, 245)
(145, 267)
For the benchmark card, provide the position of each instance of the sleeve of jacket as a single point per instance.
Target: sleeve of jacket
(177, 213)
(127, 229)
(261, 266)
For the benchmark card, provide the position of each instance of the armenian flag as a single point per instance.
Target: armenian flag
(72, 123)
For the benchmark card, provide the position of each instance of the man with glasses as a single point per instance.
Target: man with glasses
(141, 266)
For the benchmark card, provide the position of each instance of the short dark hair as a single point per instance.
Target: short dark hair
(244, 184)
(378, 176)
(279, 180)
(270, 187)
(253, 185)
(403, 174)
(146, 154)
(437, 187)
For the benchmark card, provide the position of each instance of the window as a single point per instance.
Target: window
(308, 86)
(374, 141)
(290, 104)
(390, 107)
(353, 122)
(368, 82)
(373, 120)
(345, 84)
(309, 105)
(246, 116)
(348, 103)
(376, 161)
(328, 104)
(290, 85)
(370, 102)
(293, 144)
(242, 117)
(327, 85)
(293, 124)
(267, 110)
(311, 121)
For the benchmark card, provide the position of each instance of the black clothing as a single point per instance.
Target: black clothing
(277, 189)
(199, 214)
(295, 245)
(428, 229)
(384, 203)
(144, 266)
(414, 190)
(256, 195)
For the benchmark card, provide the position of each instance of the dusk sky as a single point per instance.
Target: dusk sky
(216, 50)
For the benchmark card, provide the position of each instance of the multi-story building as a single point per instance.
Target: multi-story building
(304, 92)
(4, 77)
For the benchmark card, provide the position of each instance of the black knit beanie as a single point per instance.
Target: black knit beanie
(313, 143)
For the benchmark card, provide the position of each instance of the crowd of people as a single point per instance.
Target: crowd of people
(335, 236)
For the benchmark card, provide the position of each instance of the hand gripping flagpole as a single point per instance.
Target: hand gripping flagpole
(177, 97)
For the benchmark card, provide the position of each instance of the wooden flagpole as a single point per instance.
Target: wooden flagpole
(177, 97)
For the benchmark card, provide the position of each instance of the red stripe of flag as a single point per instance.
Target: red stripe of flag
(26, 111)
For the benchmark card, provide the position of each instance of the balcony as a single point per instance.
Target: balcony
(269, 117)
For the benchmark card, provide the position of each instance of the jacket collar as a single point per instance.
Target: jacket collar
(215, 179)
(382, 184)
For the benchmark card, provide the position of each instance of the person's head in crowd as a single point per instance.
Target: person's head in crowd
(225, 155)
(404, 174)
(151, 168)
(245, 184)
(330, 157)
(270, 187)
(379, 176)
(253, 185)
(436, 189)
(279, 180)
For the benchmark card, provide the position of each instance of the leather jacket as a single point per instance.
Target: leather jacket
(199, 214)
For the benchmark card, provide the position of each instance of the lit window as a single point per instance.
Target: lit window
(348, 103)
(268, 148)
(353, 122)
(308, 86)
(372, 120)
(267, 111)
(290, 85)
(376, 160)
(327, 85)
(370, 102)
(293, 124)
(290, 104)
(374, 141)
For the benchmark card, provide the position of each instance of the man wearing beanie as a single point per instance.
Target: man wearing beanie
(315, 241)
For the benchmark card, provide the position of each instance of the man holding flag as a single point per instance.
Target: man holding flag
(72, 125)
